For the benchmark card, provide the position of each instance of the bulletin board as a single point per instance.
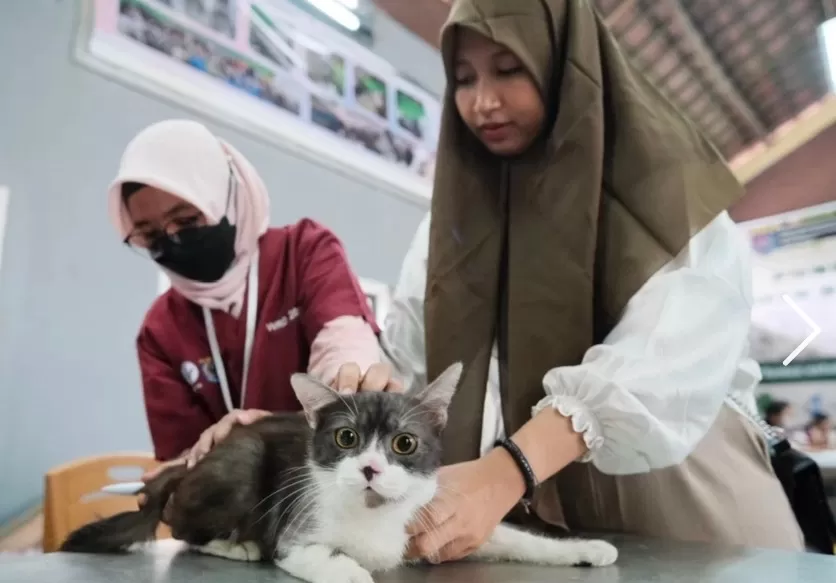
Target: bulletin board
(271, 69)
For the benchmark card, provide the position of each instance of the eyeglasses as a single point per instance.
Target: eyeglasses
(148, 241)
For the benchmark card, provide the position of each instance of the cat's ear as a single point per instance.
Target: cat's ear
(312, 394)
(437, 395)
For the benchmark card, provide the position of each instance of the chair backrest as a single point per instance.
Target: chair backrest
(73, 497)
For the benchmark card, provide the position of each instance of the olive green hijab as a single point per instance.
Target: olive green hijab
(615, 189)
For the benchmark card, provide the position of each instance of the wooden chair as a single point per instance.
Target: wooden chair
(72, 496)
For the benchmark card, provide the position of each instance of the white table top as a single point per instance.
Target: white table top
(640, 561)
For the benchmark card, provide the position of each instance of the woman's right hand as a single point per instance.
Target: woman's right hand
(208, 439)
(220, 430)
(378, 378)
(160, 468)
(156, 471)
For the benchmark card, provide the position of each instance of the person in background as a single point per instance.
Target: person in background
(580, 262)
(819, 432)
(776, 413)
(249, 305)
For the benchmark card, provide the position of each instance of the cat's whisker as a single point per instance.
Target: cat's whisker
(429, 509)
(444, 489)
(279, 491)
(355, 411)
(312, 490)
(300, 487)
(404, 414)
(413, 411)
(405, 421)
(430, 530)
(290, 512)
(348, 418)
(299, 514)
(290, 471)
(295, 486)
(284, 486)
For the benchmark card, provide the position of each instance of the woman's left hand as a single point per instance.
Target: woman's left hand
(472, 499)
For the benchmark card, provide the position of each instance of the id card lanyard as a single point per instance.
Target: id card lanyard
(252, 308)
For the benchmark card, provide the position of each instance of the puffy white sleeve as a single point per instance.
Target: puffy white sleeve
(645, 397)
(402, 338)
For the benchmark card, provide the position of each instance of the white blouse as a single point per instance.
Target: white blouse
(644, 397)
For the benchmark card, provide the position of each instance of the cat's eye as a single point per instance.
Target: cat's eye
(404, 444)
(346, 438)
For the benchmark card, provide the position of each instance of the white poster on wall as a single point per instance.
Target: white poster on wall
(794, 269)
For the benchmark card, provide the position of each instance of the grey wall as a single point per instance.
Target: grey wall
(409, 53)
(71, 297)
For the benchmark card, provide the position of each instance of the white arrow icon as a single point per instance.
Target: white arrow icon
(809, 339)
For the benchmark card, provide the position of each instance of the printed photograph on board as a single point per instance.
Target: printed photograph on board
(326, 72)
(359, 129)
(159, 32)
(261, 45)
(219, 15)
(411, 114)
(273, 39)
(280, 27)
(370, 92)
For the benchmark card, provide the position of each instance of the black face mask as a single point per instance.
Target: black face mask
(201, 254)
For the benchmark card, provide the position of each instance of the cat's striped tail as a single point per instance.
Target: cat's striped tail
(117, 533)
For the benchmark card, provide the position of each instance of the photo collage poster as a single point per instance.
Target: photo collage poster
(273, 52)
(794, 265)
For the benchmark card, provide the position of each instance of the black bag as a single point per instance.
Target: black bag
(801, 479)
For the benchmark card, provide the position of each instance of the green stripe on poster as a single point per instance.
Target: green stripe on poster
(799, 371)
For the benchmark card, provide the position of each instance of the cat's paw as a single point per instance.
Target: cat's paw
(343, 570)
(322, 564)
(596, 553)
(246, 551)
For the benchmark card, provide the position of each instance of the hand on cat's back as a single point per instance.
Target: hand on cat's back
(473, 498)
(218, 432)
(350, 379)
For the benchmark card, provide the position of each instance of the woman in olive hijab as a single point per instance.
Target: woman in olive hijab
(581, 264)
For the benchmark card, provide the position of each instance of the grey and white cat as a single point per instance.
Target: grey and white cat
(326, 496)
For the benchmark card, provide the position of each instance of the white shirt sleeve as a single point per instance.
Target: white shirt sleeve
(402, 338)
(645, 397)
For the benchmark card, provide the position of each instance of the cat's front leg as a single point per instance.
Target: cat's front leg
(227, 549)
(317, 563)
(511, 544)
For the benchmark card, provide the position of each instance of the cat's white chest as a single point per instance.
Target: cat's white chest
(375, 540)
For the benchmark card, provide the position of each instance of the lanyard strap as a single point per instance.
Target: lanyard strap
(252, 308)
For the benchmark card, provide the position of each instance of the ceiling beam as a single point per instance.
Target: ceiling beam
(708, 62)
(791, 136)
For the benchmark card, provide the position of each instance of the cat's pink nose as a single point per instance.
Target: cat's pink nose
(370, 472)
